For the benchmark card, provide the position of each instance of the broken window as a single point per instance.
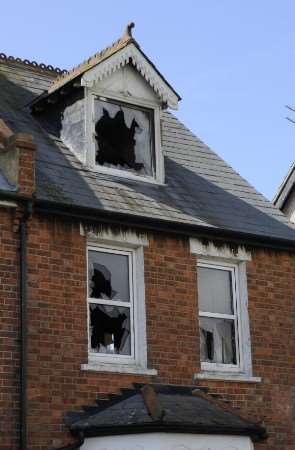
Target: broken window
(110, 329)
(124, 137)
(110, 301)
(218, 314)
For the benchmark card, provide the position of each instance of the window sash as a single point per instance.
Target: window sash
(129, 305)
(235, 317)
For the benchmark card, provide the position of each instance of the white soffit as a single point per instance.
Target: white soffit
(142, 65)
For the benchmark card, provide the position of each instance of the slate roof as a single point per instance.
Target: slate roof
(155, 407)
(201, 190)
(65, 77)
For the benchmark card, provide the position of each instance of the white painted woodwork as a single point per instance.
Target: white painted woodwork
(169, 441)
(122, 58)
(133, 243)
(128, 82)
(224, 256)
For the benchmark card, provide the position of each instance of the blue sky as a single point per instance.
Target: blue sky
(231, 61)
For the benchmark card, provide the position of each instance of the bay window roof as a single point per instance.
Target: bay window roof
(166, 408)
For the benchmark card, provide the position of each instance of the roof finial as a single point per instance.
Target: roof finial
(128, 31)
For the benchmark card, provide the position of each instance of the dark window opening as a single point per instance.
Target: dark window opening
(124, 137)
(101, 280)
(209, 344)
(116, 141)
(110, 329)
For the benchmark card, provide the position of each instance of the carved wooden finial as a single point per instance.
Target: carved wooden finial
(128, 30)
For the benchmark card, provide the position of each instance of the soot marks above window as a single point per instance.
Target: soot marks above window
(110, 329)
(124, 137)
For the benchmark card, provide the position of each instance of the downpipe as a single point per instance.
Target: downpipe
(23, 324)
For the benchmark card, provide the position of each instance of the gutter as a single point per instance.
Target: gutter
(256, 433)
(151, 224)
(23, 325)
(147, 223)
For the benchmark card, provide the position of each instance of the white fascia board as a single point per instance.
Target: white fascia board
(142, 65)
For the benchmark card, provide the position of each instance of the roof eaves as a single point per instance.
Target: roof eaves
(285, 187)
(102, 56)
(257, 433)
(90, 423)
(192, 230)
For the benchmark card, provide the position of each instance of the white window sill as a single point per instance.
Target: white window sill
(117, 368)
(226, 376)
(126, 175)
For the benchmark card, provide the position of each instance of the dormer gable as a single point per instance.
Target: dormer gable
(108, 111)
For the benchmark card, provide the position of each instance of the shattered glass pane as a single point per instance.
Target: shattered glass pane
(108, 276)
(215, 290)
(218, 343)
(109, 329)
(124, 137)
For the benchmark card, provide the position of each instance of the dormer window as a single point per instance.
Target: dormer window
(124, 137)
(107, 111)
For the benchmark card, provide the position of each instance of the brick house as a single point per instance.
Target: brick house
(147, 290)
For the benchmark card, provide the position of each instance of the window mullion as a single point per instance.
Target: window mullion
(99, 301)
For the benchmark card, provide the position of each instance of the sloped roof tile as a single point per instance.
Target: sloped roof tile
(156, 407)
(201, 189)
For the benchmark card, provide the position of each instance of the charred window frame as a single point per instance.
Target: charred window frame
(111, 325)
(220, 331)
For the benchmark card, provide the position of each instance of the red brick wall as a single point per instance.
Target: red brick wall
(58, 332)
(9, 331)
(271, 291)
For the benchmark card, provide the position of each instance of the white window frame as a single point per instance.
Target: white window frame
(233, 269)
(222, 256)
(130, 244)
(131, 305)
(91, 95)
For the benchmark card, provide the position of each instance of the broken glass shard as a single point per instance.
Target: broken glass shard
(109, 329)
(218, 342)
(124, 137)
(108, 276)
